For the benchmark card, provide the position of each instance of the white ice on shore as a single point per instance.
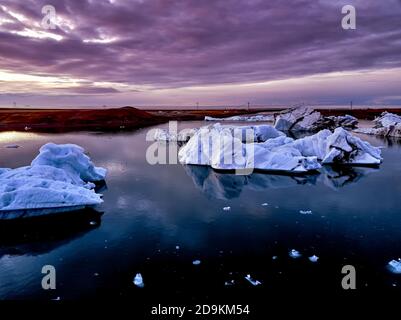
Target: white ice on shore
(246, 118)
(387, 125)
(59, 177)
(223, 148)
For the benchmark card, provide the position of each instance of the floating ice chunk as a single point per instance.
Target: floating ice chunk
(265, 204)
(196, 262)
(227, 208)
(252, 281)
(387, 125)
(72, 159)
(274, 258)
(295, 254)
(12, 146)
(305, 211)
(177, 247)
(229, 283)
(138, 281)
(55, 182)
(313, 258)
(395, 266)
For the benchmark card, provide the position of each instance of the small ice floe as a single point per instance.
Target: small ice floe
(274, 258)
(229, 283)
(295, 254)
(12, 146)
(313, 258)
(305, 211)
(177, 247)
(196, 262)
(56, 299)
(96, 274)
(138, 281)
(265, 204)
(227, 208)
(93, 223)
(253, 281)
(395, 266)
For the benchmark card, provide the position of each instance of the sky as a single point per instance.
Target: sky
(211, 52)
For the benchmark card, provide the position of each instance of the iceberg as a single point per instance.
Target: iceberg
(60, 179)
(306, 119)
(387, 125)
(340, 147)
(264, 148)
(245, 118)
(72, 159)
(232, 148)
(167, 136)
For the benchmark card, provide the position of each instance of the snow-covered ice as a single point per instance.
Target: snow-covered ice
(58, 180)
(196, 262)
(138, 281)
(227, 208)
(306, 212)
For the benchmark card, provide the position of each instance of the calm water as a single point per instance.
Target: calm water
(150, 210)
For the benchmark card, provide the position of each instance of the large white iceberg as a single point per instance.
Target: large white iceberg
(225, 148)
(232, 148)
(340, 147)
(387, 125)
(59, 179)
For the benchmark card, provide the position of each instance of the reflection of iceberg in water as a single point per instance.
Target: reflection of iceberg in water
(228, 185)
(338, 177)
(39, 235)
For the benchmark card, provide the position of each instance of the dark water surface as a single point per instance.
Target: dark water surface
(150, 210)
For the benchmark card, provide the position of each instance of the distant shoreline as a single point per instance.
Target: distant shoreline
(129, 118)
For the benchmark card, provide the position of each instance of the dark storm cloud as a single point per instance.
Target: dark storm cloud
(197, 42)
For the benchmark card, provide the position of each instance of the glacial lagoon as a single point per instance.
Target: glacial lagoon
(157, 220)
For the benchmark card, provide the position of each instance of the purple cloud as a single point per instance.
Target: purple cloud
(173, 44)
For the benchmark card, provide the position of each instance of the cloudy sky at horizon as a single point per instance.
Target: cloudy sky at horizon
(215, 52)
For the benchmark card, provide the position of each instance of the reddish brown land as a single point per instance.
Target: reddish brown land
(126, 118)
(129, 118)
